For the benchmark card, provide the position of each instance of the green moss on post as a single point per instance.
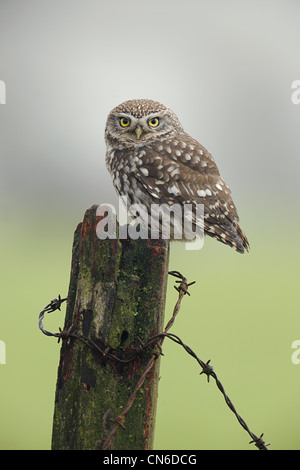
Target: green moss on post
(116, 295)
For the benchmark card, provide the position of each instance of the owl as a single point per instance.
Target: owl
(152, 160)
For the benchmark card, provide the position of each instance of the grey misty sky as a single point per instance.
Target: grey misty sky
(225, 68)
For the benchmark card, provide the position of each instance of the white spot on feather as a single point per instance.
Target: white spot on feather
(144, 171)
(173, 190)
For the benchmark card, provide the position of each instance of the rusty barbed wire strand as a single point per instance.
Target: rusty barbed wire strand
(209, 371)
(55, 304)
(154, 341)
(119, 420)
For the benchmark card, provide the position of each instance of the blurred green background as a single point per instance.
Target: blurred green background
(242, 314)
(228, 76)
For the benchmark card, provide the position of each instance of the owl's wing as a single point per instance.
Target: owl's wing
(182, 171)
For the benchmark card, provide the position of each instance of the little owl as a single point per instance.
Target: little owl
(153, 161)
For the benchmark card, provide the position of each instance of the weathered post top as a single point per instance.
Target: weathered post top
(116, 298)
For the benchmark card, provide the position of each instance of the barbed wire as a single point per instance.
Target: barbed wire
(155, 342)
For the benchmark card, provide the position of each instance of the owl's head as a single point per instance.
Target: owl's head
(136, 122)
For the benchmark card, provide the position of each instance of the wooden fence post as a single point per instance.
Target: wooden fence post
(116, 298)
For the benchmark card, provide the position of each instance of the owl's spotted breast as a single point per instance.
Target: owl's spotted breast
(166, 165)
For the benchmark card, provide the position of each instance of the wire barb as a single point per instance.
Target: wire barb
(259, 442)
(155, 342)
(183, 284)
(55, 304)
(207, 369)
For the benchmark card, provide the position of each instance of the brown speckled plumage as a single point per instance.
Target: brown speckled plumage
(166, 165)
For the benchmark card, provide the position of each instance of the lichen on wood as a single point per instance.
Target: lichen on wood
(116, 297)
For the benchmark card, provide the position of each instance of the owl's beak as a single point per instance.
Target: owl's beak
(138, 131)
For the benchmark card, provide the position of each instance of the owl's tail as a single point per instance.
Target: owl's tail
(243, 238)
(231, 235)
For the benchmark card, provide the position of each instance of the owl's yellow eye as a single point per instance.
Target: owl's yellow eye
(153, 122)
(124, 122)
